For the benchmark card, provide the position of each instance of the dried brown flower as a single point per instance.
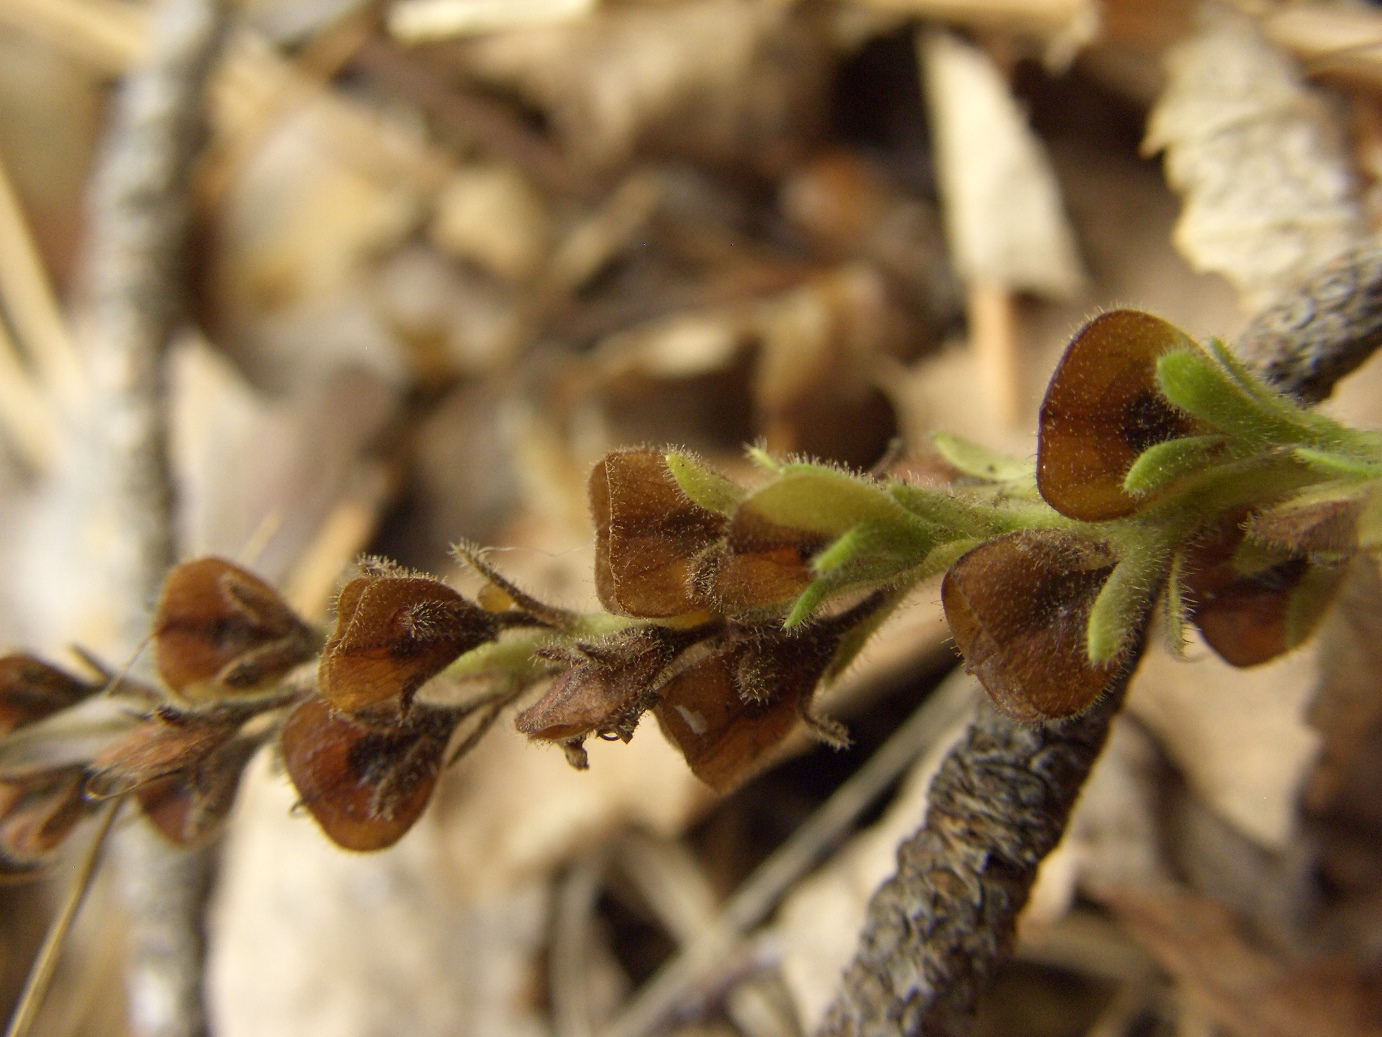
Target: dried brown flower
(366, 786)
(648, 536)
(393, 634)
(31, 689)
(219, 630)
(1018, 607)
(1102, 409)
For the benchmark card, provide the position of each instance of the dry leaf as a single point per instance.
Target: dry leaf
(296, 242)
(1239, 736)
(492, 216)
(1067, 25)
(314, 942)
(423, 21)
(1258, 156)
(246, 464)
(1003, 213)
(707, 78)
(1238, 986)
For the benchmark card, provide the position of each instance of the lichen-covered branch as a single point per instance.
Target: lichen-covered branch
(1323, 330)
(938, 929)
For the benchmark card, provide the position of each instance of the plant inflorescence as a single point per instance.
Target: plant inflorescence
(1171, 486)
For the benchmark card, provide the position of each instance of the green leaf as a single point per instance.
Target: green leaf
(1192, 381)
(807, 603)
(763, 459)
(979, 461)
(867, 555)
(816, 499)
(959, 517)
(1176, 607)
(1337, 465)
(705, 487)
(1323, 430)
(1164, 462)
(1116, 616)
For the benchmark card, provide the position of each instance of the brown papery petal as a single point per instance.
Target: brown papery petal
(152, 750)
(190, 806)
(41, 818)
(647, 536)
(30, 690)
(1018, 606)
(393, 634)
(763, 563)
(219, 629)
(1102, 409)
(724, 737)
(365, 786)
(1250, 618)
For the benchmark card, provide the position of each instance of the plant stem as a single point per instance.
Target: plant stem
(939, 928)
(1323, 330)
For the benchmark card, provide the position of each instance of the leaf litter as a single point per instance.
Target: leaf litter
(448, 260)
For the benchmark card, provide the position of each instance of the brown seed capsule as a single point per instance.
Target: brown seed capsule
(36, 815)
(156, 748)
(30, 690)
(1103, 407)
(219, 630)
(393, 634)
(729, 712)
(365, 786)
(648, 535)
(1252, 609)
(606, 686)
(190, 806)
(1018, 607)
(763, 564)
(725, 737)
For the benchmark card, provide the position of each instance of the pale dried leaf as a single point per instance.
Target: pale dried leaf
(1066, 25)
(253, 470)
(1258, 156)
(297, 239)
(817, 354)
(445, 318)
(1003, 212)
(492, 216)
(423, 21)
(1239, 736)
(315, 942)
(514, 810)
(1239, 987)
(710, 78)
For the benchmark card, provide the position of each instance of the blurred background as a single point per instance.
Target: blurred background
(446, 253)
